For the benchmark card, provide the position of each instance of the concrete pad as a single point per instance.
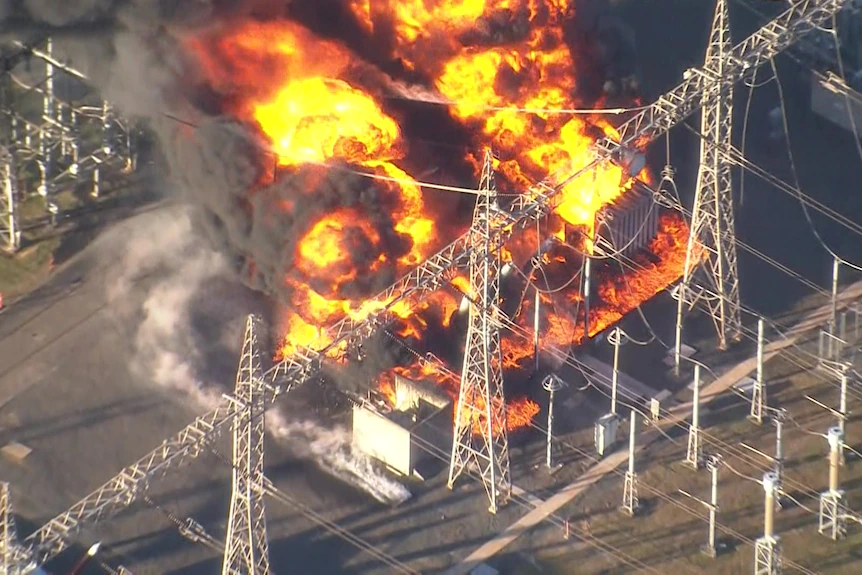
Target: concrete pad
(15, 452)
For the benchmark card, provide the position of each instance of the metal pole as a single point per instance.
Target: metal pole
(713, 467)
(586, 298)
(833, 324)
(769, 484)
(692, 456)
(779, 448)
(835, 438)
(632, 431)
(96, 191)
(842, 404)
(106, 129)
(758, 394)
(677, 349)
(695, 415)
(831, 520)
(615, 376)
(548, 455)
(536, 330)
(630, 493)
(47, 100)
(8, 175)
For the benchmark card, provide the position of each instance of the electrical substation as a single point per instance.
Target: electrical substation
(573, 378)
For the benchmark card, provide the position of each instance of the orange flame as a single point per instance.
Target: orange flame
(519, 411)
(302, 95)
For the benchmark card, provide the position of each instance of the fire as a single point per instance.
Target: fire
(520, 411)
(316, 119)
(312, 101)
(491, 85)
(309, 113)
(562, 318)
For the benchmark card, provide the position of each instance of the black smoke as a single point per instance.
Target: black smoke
(132, 50)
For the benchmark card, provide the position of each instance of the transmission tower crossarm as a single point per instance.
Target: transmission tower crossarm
(123, 489)
(645, 126)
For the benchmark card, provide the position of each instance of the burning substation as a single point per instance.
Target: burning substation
(369, 127)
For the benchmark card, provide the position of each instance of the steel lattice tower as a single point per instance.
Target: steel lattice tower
(481, 403)
(7, 531)
(9, 545)
(712, 227)
(11, 235)
(246, 545)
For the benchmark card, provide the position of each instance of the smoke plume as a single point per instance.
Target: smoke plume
(133, 51)
(162, 254)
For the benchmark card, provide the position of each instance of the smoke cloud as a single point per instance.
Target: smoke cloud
(162, 252)
(330, 448)
(163, 257)
(133, 51)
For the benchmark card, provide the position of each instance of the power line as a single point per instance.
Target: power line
(796, 175)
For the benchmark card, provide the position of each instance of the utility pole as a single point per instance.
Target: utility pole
(246, 545)
(615, 338)
(536, 329)
(693, 455)
(712, 237)
(630, 487)
(758, 393)
(712, 465)
(831, 513)
(842, 409)
(767, 552)
(481, 404)
(778, 420)
(586, 295)
(551, 384)
(833, 316)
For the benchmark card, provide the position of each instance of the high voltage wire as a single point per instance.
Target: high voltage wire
(795, 174)
(524, 501)
(617, 471)
(440, 101)
(575, 363)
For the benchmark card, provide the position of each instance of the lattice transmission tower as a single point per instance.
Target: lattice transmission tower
(712, 236)
(10, 233)
(480, 439)
(246, 545)
(9, 544)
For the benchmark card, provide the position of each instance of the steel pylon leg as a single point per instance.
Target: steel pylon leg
(246, 545)
(712, 236)
(11, 234)
(480, 437)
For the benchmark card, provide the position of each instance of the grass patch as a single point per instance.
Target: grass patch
(22, 272)
(31, 208)
(668, 538)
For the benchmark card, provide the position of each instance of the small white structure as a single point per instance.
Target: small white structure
(422, 414)
(606, 432)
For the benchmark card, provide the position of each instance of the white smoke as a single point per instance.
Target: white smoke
(163, 250)
(331, 448)
(163, 244)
